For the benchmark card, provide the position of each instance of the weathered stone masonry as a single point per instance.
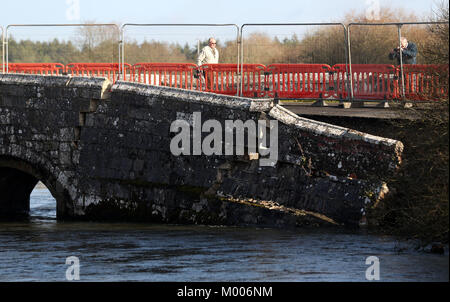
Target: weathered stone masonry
(104, 153)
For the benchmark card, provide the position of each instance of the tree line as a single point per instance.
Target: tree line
(327, 45)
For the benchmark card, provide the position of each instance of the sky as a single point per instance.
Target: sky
(194, 11)
(237, 12)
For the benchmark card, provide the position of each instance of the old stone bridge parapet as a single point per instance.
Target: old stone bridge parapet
(104, 153)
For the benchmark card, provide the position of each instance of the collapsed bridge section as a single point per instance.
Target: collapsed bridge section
(105, 153)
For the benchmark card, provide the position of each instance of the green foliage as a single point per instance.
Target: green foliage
(26, 51)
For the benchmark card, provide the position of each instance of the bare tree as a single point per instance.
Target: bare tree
(436, 49)
(98, 43)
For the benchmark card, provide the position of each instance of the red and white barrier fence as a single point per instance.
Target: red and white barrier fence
(285, 81)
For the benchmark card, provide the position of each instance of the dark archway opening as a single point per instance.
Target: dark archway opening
(15, 190)
(26, 190)
(19, 179)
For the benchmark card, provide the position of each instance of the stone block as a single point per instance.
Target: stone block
(64, 147)
(345, 105)
(90, 88)
(66, 134)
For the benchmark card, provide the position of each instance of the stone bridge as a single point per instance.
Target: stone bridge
(103, 151)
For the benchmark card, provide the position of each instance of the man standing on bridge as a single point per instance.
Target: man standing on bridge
(209, 55)
(409, 52)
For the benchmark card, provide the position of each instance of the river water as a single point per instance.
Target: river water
(36, 250)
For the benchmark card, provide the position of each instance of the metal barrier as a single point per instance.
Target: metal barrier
(178, 75)
(6, 37)
(216, 26)
(399, 93)
(287, 89)
(108, 70)
(368, 81)
(299, 81)
(224, 79)
(425, 82)
(3, 50)
(36, 68)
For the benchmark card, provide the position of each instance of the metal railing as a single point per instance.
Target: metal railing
(291, 24)
(399, 26)
(5, 42)
(347, 75)
(3, 50)
(122, 40)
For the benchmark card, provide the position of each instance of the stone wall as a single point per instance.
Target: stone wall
(40, 129)
(104, 152)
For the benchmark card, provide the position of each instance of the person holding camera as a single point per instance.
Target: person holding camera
(409, 52)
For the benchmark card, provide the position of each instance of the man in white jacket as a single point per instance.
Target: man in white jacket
(209, 55)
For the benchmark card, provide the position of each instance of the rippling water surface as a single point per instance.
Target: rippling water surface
(37, 251)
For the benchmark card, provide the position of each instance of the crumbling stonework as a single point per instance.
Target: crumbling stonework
(103, 151)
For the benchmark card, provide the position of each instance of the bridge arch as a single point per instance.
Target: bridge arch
(18, 177)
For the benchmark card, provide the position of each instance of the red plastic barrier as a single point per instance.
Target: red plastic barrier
(178, 75)
(36, 68)
(424, 82)
(370, 81)
(223, 79)
(108, 70)
(299, 80)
